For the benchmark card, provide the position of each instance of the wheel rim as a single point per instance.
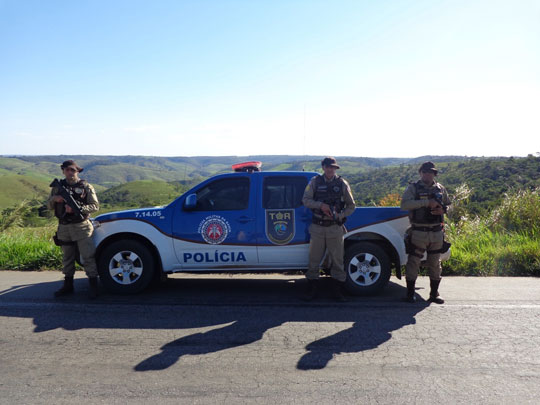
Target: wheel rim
(125, 267)
(364, 269)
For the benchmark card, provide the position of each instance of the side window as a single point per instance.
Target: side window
(224, 195)
(283, 192)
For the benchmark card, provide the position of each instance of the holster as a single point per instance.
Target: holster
(445, 246)
(410, 249)
(407, 240)
(59, 242)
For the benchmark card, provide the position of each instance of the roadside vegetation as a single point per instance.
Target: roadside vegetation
(29, 248)
(494, 226)
(504, 242)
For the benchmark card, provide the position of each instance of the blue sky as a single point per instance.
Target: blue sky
(187, 78)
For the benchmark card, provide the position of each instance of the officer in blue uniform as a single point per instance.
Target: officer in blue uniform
(329, 197)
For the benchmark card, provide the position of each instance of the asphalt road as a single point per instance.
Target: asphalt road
(240, 339)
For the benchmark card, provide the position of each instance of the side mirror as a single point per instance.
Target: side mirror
(190, 203)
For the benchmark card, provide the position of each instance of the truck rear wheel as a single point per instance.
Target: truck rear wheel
(367, 267)
(126, 267)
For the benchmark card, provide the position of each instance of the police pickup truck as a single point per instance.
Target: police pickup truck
(251, 221)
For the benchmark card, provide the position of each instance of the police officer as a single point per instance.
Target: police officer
(427, 201)
(74, 232)
(329, 197)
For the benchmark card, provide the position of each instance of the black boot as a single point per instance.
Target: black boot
(338, 291)
(93, 282)
(67, 288)
(312, 290)
(410, 292)
(434, 293)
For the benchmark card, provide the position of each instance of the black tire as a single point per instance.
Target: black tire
(367, 267)
(126, 267)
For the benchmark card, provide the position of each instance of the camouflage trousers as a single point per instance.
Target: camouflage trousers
(425, 241)
(82, 234)
(326, 239)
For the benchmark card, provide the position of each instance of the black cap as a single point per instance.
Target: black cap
(70, 162)
(329, 161)
(428, 167)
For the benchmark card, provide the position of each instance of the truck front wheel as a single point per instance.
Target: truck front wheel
(367, 267)
(126, 267)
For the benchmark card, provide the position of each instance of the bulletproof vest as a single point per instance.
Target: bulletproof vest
(78, 192)
(423, 215)
(330, 193)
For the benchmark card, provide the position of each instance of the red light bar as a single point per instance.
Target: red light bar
(247, 167)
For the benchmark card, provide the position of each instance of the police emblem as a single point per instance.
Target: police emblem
(214, 229)
(280, 228)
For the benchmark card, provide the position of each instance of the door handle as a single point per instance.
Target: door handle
(244, 219)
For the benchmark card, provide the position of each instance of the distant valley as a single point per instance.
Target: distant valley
(145, 180)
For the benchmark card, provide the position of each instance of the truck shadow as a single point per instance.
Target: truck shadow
(236, 313)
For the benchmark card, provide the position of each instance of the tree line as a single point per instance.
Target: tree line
(487, 179)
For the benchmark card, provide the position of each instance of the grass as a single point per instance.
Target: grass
(505, 242)
(29, 249)
(489, 253)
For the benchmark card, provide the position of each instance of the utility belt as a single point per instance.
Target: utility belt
(59, 242)
(413, 250)
(436, 228)
(327, 222)
(72, 221)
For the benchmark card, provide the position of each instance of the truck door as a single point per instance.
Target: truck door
(219, 232)
(282, 232)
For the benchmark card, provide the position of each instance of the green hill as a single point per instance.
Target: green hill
(488, 179)
(17, 187)
(142, 193)
(108, 171)
(145, 181)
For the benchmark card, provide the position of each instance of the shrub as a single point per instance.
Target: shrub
(506, 242)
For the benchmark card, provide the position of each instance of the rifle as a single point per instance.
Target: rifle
(68, 198)
(335, 209)
(438, 197)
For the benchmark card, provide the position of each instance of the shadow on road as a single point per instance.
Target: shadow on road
(239, 312)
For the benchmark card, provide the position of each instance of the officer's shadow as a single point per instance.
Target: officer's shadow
(240, 313)
(372, 327)
(237, 333)
(373, 324)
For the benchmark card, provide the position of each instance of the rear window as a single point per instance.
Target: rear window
(283, 192)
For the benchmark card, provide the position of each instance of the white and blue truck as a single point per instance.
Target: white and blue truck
(251, 221)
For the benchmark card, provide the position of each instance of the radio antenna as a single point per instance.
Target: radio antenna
(304, 145)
